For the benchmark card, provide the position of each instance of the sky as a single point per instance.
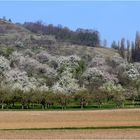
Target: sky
(113, 19)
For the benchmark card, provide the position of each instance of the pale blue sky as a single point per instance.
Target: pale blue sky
(113, 20)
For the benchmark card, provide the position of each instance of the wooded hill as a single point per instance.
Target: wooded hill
(41, 62)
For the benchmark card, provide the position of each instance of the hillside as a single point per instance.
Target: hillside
(12, 35)
(33, 63)
(18, 37)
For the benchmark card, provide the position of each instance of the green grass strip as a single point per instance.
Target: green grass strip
(77, 128)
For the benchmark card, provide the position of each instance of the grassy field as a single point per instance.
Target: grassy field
(119, 123)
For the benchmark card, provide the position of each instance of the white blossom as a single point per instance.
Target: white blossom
(44, 57)
(111, 87)
(31, 65)
(44, 88)
(70, 61)
(4, 64)
(137, 66)
(66, 83)
(97, 61)
(18, 79)
(117, 60)
(128, 71)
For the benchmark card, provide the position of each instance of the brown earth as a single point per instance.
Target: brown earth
(132, 134)
(58, 119)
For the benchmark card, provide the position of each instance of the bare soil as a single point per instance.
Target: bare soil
(72, 134)
(59, 119)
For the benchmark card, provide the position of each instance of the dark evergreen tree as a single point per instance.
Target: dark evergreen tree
(105, 43)
(132, 51)
(136, 49)
(128, 51)
(114, 45)
(122, 48)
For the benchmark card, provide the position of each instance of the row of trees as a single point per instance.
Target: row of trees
(129, 50)
(108, 93)
(80, 36)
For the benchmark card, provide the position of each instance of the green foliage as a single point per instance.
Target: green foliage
(114, 93)
(6, 51)
(122, 48)
(80, 69)
(63, 99)
(114, 45)
(99, 98)
(83, 98)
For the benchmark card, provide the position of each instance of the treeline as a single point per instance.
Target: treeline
(127, 49)
(18, 99)
(86, 37)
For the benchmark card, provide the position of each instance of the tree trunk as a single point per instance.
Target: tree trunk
(43, 106)
(33, 106)
(28, 106)
(99, 105)
(48, 105)
(123, 105)
(22, 106)
(2, 106)
(62, 107)
(133, 102)
(82, 105)
(13, 104)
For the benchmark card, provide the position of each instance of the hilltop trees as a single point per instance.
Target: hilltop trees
(86, 37)
(80, 36)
